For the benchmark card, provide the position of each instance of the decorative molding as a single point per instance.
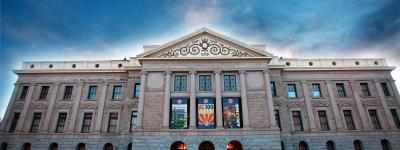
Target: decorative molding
(392, 102)
(89, 106)
(321, 104)
(277, 103)
(204, 47)
(296, 105)
(133, 105)
(39, 106)
(345, 103)
(64, 106)
(18, 106)
(370, 103)
(114, 106)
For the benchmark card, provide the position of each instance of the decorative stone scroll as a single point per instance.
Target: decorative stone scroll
(204, 47)
(133, 105)
(89, 106)
(371, 103)
(345, 103)
(18, 106)
(321, 104)
(296, 105)
(392, 102)
(64, 106)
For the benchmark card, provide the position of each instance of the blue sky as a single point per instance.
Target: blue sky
(104, 29)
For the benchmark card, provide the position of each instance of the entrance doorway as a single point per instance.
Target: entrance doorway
(234, 145)
(206, 145)
(178, 145)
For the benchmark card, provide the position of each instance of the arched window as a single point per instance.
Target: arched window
(130, 146)
(206, 145)
(53, 146)
(303, 145)
(178, 145)
(358, 145)
(80, 146)
(234, 145)
(3, 146)
(330, 145)
(26, 146)
(108, 146)
(386, 145)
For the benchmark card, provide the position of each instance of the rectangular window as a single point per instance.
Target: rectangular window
(297, 121)
(349, 120)
(62, 117)
(273, 89)
(316, 90)
(179, 116)
(323, 120)
(133, 120)
(374, 119)
(395, 118)
(43, 92)
(137, 90)
(206, 113)
(180, 83)
(87, 122)
(24, 92)
(277, 119)
(35, 122)
(92, 92)
(385, 89)
(232, 113)
(14, 122)
(205, 83)
(68, 92)
(112, 123)
(230, 83)
(292, 93)
(364, 89)
(117, 92)
(340, 89)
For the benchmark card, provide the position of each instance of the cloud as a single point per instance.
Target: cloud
(201, 13)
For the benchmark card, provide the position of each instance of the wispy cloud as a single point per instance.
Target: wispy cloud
(201, 13)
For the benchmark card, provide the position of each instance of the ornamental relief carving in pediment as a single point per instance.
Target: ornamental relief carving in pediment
(204, 46)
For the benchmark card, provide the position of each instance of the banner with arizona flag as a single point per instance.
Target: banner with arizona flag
(206, 113)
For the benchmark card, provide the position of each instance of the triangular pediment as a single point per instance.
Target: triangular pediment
(204, 43)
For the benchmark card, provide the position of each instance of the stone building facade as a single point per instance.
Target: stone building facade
(203, 91)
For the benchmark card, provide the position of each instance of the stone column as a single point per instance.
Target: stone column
(192, 99)
(24, 112)
(100, 115)
(310, 111)
(218, 98)
(75, 108)
(395, 91)
(335, 109)
(360, 107)
(143, 80)
(167, 97)
(385, 106)
(243, 93)
(5, 120)
(270, 101)
(50, 108)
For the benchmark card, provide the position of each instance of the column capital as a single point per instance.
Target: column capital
(167, 72)
(303, 82)
(57, 83)
(266, 71)
(192, 71)
(104, 83)
(142, 73)
(328, 81)
(81, 83)
(217, 71)
(242, 71)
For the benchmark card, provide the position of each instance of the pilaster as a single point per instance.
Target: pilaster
(218, 98)
(386, 109)
(309, 106)
(143, 80)
(100, 111)
(75, 108)
(192, 105)
(360, 107)
(167, 97)
(243, 93)
(335, 109)
(50, 107)
(270, 101)
(24, 112)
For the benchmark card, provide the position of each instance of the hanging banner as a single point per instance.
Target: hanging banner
(231, 113)
(206, 113)
(179, 113)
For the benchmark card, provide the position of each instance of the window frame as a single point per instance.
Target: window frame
(323, 116)
(68, 94)
(131, 129)
(273, 88)
(339, 90)
(58, 128)
(395, 116)
(24, 92)
(89, 125)
(14, 122)
(136, 88)
(173, 81)
(365, 92)
(44, 92)
(295, 90)
(278, 119)
(351, 115)
(318, 85)
(375, 119)
(36, 120)
(90, 93)
(113, 118)
(211, 82)
(224, 84)
(385, 89)
(300, 120)
(117, 94)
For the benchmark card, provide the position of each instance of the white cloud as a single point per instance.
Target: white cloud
(201, 14)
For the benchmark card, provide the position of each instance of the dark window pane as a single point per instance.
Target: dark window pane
(341, 90)
(68, 92)
(117, 93)
(323, 120)
(133, 120)
(385, 89)
(112, 123)
(35, 122)
(273, 89)
(92, 92)
(395, 117)
(24, 92)
(277, 119)
(43, 92)
(62, 117)
(349, 119)
(374, 119)
(87, 121)
(297, 121)
(365, 89)
(14, 122)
